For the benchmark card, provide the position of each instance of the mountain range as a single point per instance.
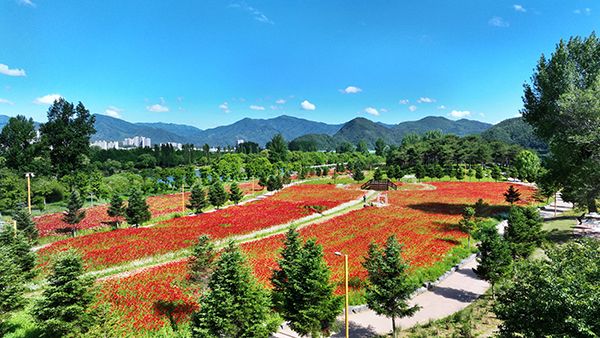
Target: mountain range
(327, 136)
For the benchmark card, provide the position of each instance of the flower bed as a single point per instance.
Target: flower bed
(106, 249)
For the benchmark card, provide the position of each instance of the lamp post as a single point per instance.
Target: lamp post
(29, 176)
(346, 282)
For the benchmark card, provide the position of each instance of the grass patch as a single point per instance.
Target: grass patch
(476, 320)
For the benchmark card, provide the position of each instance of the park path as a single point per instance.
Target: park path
(449, 296)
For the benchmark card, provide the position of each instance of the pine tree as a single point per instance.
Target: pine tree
(26, 225)
(496, 173)
(479, 172)
(469, 222)
(378, 175)
(74, 214)
(512, 195)
(235, 305)
(19, 248)
(63, 310)
(201, 262)
(494, 260)
(235, 194)
(420, 172)
(389, 288)
(197, 200)
(216, 194)
(138, 210)
(524, 231)
(272, 183)
(459, 174)
(262, 181)
(358, 175)
(302, 291)
(116, 208)
(12, 287)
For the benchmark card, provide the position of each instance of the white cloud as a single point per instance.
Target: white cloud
(442, 107)
(280, 101)
(413, 108)
(113, 113)
(26, 2)
(456, 113)
(258, 15)
(498, 22)
(181, 109)
(253, 107)
(48, 99)
(6, 102)
(426, 99)
(225, 108)
(587, 11)
(403, 102)
(162, 101)
(115, 108)
(179, 99)
(275, 107)
(372, 111)
(519, 8)
(383, 110)
(481, 114)
(11, 72)
(307, 106)
(157, 108)
(351, 89)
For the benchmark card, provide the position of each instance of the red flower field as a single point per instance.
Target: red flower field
(423, 220)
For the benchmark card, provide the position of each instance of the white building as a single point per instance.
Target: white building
(138, 141)
(105, 145)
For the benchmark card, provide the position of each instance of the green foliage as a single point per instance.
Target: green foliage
(64, 310)
(557, 297)
(496, 173)
(563, 104)
(216, 194)
(512, 195)
(116, 208)
(378, 174)
(66, 135)
(302, 292)
(274, 183)
(278, 149)
(74, 214)
(235, 194)
(235, 305)
(495, 260)
(11, 189)
(201, 262)
(197, 200)
(345, 147)
(12, 285)
(527, 165)
(26, 225)
(380, 146)
(362, 147)
(469, 222)
(358, 175)
(138, 210)
(389, 287)
(17, 144)
(524, 231)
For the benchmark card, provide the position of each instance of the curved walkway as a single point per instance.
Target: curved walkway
(449, 296)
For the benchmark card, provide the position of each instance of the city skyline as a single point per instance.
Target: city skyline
(212, 63)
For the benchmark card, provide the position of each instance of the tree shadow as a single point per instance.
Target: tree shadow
(174, 310)
(439, 208)
(462, 296)
(355, 330)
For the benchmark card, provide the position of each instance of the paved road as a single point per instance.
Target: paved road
(451, 295)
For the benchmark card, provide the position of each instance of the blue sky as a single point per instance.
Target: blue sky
(211, 63)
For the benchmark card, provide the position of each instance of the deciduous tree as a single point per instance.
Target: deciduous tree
(67, 136)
